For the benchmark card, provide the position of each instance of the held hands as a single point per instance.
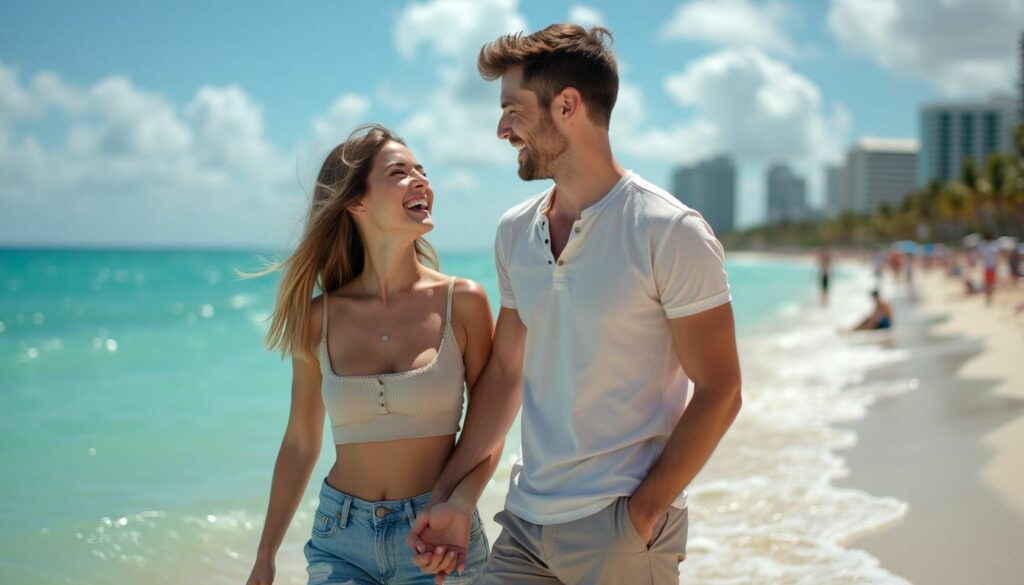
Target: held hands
(440, 539)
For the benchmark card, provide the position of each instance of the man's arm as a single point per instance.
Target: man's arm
(439, 535)
(705, 344)
(494, 403)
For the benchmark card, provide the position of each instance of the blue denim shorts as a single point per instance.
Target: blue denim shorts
(363, 543)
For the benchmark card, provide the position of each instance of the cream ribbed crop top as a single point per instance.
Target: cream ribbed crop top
(424, 402)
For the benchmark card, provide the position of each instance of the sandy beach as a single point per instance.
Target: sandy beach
(953, 448)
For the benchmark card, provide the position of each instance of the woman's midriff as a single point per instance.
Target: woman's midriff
(390, 470)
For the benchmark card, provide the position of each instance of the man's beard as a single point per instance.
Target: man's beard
(548, 145)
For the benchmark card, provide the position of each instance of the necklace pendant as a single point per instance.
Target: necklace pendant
(384, 338)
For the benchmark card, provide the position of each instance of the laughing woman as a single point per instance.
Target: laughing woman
(386, 351)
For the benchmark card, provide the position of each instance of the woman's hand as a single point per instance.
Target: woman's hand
(262, 572)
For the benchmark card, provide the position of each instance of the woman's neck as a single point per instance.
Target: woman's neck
(389, 268)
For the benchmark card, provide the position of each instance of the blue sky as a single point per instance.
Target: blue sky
(203, 123)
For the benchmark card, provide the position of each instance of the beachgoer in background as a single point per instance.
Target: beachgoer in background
(880, 317)
(896, 264)
(824, 269)
(1014, 261)
(878, 265)
(988, 251)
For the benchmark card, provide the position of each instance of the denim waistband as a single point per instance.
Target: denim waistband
(344, 506)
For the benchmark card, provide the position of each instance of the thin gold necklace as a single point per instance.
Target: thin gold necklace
(383, 333)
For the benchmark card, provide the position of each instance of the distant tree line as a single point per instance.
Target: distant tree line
(989, 197)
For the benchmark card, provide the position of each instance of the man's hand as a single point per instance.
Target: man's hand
(440, 538)
(643, 519)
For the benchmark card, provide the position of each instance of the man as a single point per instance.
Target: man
(611, 289)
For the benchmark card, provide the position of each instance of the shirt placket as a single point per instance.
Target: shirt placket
(381, 402)
(559, 273)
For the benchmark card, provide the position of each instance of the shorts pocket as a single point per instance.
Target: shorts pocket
(476, 527)
(324, 525)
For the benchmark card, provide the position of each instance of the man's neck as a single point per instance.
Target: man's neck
(587, 177)
(584, 184)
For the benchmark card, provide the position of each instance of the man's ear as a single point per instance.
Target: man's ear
(568, 104)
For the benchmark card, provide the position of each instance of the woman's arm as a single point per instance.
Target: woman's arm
(474, 313)
(295, 460)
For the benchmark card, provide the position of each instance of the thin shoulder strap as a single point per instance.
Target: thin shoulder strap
(323, 325)
(448, 310)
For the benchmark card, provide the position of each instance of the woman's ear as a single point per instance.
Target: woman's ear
(357, 207)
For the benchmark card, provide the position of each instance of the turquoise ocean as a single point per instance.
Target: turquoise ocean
(140, 416)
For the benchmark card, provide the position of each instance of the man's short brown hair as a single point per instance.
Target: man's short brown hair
(560, 56)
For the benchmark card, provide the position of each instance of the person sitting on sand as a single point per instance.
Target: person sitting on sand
(880, 318)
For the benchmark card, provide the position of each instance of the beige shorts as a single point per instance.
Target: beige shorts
(603, 548)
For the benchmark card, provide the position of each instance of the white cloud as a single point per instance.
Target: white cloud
(348, 111)
(750, 105)
(455, 28)
(457, 120)
(127, 165)
(734, 23)
(958, 46)
(461, 181)
(585, 15)
(630, 112)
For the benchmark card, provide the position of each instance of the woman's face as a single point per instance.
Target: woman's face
(399, 198)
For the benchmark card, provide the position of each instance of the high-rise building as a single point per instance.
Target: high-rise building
(710, 188)
(879, 170)
(951, 133)
(787, 194)
(833, 190)
(1020, 81)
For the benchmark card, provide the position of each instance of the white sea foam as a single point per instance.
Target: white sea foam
(765, 509)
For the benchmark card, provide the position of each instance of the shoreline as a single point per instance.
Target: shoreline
(952, 447)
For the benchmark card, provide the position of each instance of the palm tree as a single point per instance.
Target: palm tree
(994, 188)
(969, 179)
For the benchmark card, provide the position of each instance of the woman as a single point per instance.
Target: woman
(385, 351)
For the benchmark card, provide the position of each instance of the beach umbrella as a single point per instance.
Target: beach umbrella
(905, 246)
(1007, 243)
(972, 240)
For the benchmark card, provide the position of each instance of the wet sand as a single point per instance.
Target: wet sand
(953, 448)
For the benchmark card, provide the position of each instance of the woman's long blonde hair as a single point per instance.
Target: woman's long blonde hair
(330, 252)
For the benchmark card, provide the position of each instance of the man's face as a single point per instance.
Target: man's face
(529, 128)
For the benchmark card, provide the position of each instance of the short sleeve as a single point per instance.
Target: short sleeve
(689, 267)
(508, 299)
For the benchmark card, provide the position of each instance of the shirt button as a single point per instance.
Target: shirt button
(577, 229)
(561, 262)
(382, 512)
(545, 241)
(549, 262)
(379, 381)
